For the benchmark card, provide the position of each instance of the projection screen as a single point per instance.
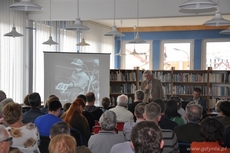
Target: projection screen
(69, 74)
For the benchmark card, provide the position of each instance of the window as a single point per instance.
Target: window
(176, 54)
(137, 55)
(217, 54)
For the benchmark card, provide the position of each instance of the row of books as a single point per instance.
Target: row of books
(188, 90)
(219, 77)
(190, 77)
(220, 91)
(122, 76)
(126, 88)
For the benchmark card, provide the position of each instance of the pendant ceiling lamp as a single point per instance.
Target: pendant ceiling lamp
(83, 43)
(50, 40)
(77, 25)
(120, 53)
(226, 31)
(198, 6)
(114, 31)
(218, 20)
(26, 5)
(13, 33)
(134, 52)
(137, 38)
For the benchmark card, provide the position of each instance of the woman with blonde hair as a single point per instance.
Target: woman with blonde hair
(74, 118)
(62, 143)
(25, 136)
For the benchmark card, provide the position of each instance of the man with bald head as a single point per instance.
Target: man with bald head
(5, 140)
(123, 115)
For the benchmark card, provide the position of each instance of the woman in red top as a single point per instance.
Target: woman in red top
(212, 135)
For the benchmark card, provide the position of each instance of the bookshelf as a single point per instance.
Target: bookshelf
(215, 84)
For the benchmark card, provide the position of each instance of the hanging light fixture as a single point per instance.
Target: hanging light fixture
(50, 40)
(137, 38)
(120, 53)
(134, 52)
(26, 5)
(13, 33)
(114, 31)
(226, 31)
(218, 20)
(77, 25)
(82, 43)
(198, 6)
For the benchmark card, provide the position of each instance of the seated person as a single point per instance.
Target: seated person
(59, 128)
(106, 138)
(180, 110)
(105, 103)
(5, 140)
(217, 109)
(225, 109)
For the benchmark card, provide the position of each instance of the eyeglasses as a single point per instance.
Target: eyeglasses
(8, 139)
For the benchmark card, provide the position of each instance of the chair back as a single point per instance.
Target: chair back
(97, 128)
(120, 126)
(97, 122)
(44, 144)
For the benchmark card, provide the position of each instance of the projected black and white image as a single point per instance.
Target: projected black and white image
(78, 76)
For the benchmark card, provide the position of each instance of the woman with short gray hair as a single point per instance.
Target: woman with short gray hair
(108, 121)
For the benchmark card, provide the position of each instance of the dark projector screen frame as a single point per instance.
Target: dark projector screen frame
(67, 75)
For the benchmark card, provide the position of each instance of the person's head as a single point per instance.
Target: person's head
(196, 93)
(78, 64)
(225, 108)
(211, 130)
(108, 121)
(26, 100)
(90, 97)
(146, 137)
(12, 113)
(139, 95)
(152, 112)
(2, 95)
(49, 99)
(178, 100)
(66, 106)
(105, 102)
(148, 75)
(4, 102)
(161, 103)
(193, 112)
(62, 143)
(122, 100)
(139, 110)
(171, 109)
(82, 97)
(5, 140)
(59, 128)
(217, 105)
(54, 107)
(35, 100)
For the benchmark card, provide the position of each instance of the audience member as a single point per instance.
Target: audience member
(5, 140)
(153, 113)
(123, 115)
(146, 137)
(5, 102)
(217, 109)
(105, 103)
(138, 98)
(34, 112)
(199, 100)
(138, 112)
(25, 136)
(191, 131)
(44, 109)
(59, 128)
(89, 116)
(180, 110)
(164, 122)
(171, 112)
(45, 122)
(96, 111)
(2, 95)
(26, 104)
(225, 108)
(212, 135)
(106, 138)
(62, 143)
(227, 136)
(83, 149)
(66, 106)
(74, 118)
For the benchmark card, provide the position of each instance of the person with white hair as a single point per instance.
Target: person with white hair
(123, 115)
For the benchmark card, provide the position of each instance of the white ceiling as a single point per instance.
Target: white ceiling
(151, 12)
